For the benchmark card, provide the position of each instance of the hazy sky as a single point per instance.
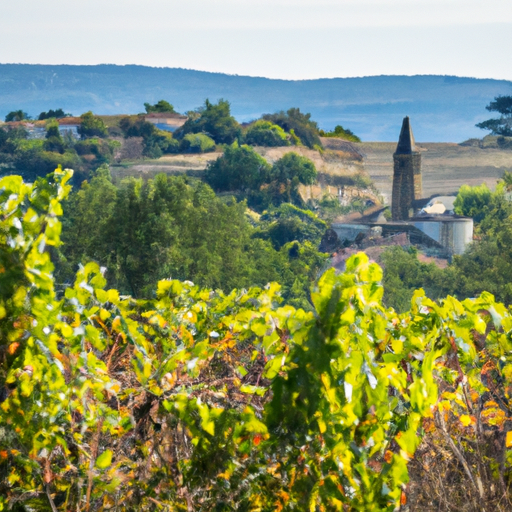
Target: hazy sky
(273, 38)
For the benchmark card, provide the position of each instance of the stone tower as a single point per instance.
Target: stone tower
(406, 174)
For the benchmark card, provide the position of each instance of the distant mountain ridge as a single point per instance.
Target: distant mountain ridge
(441, 108)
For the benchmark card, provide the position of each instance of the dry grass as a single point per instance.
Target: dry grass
(334, 163)
(445, 166)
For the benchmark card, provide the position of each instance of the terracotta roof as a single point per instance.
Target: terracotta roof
(69, 120)
(165, 115)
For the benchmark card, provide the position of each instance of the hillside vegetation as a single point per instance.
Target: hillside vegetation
(443, 108)
(199, 400)
(180, 340)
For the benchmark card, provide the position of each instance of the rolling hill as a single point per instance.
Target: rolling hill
(442, 108)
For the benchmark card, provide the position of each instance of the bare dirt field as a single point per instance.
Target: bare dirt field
(445, 166)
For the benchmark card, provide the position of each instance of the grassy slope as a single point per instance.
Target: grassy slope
(446, 166)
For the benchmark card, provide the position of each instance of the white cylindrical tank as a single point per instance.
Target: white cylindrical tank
(453, 233)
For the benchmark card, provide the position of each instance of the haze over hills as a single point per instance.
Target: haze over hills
(442, 108)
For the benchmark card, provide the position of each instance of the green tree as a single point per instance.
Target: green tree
(54, 141)
(265, 133)
(484, 266)
(161, 106)
(488, 209)
(196, 143)
(287, 223)
(239, 168)
(9, 139)
(92, 126)
(31, 160)
(156, 142)
(94, 151)
(16, 115)
(209, 401)
(291, 166)
(503, 124)
(91, 205)
(341, 133)
(57, 114)
(215, 120)
(298, 124)
(473, 201)
(404, 274)
(160, 228)
(290, 171)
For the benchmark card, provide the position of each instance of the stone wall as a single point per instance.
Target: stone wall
(346, 195)
(407, 184)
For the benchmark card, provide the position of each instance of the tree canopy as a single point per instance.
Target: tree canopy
(196, 143)
(287, 223)
(290, 171)
(211, 401)
(299, 124)
(239, 168)
(160, 106)
(485, 265)
(57, 114)
(175, 226)
(92, 126)
(156, 142)
(265, 133)
(16, 115)
(503, 124)
(342, 133)
(215, 120)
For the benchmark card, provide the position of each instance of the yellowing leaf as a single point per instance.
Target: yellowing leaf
(508, 441)
(13, 347)
(104, 460)
(466, 420)
(116, 324)
(104, 314)
(101, 295)
(113, 296)
(321, 425)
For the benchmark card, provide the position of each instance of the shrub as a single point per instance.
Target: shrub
(298, 124)
(239, 168)
(293, 166)
(136, 126)
(196, 143)
(207, 400)
(55, 144)
(265, 133)
(473, 201)
(92, 126)
(215, 121)
(53, 140)
(156, 142)
(287, 223)
(341, 133)
(161, 106)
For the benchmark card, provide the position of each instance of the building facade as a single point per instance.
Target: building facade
(407, 183)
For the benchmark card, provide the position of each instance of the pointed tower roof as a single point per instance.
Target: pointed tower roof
(406, 144)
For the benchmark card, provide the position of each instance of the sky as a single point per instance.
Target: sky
(290, 39)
